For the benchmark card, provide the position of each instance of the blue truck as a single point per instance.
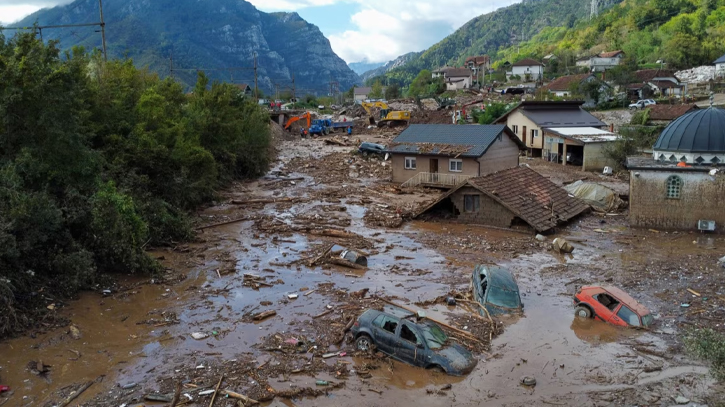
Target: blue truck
(320, 127)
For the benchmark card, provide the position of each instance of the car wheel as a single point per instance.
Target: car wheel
(364, 343)
(437, 369)
(583, 312)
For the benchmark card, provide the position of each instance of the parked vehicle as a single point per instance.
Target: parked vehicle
(422, 344)
(320, 127)
(495, 288)
(611, 304)
(371, 148)
(641, 104)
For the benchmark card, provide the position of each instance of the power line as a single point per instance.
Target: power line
(101, 24)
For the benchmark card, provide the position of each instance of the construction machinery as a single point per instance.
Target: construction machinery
(387, 117)
(320, 127)
(305, 115)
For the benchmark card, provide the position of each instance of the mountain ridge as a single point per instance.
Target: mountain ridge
(221, 37)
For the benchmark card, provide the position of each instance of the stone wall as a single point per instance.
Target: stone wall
(701, 198)
(490, 213)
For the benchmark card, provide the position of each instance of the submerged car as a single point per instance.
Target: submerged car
(495, 288)
(611, 304)
(422, 344)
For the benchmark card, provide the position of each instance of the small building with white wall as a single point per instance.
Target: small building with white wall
(682, 185)
(580, 146)
(528, 69)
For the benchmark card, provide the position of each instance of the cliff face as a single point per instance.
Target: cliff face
(396, 63)
(215, 35)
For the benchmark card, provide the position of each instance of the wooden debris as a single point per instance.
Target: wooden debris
(246, 400)
(693, 292)
(322, 314)
(346, 263)
(264, 315)
(75, 394)
(216, 391)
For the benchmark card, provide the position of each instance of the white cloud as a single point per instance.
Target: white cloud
(290, 5)
(385, 29)
(14, 10)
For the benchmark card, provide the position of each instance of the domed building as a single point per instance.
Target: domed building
(681, 186)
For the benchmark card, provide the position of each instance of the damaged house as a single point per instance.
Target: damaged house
(445, 155)
(518, 198)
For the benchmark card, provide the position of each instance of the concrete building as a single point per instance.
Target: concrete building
(458, 78)
(528, 69)
(682, 186)
(720, 67)
(529, 119)
(606, 61)
(585, 147)
(445, 155)
(517, 198)
(362, 93)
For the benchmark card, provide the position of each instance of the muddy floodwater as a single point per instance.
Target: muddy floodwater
(137, 339)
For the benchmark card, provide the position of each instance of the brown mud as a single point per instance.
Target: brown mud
(141, 333)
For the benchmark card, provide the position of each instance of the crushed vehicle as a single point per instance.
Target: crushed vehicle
(422, 344)
(612, 305)
(371, 148)
(495, 289)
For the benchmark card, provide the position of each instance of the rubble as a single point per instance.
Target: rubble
(698, 74)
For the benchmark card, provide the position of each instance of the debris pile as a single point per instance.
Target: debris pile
(698, 74)
(339, 168)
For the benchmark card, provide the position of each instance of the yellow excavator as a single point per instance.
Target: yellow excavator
(387, 117)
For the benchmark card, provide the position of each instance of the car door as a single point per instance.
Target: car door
(407, 340)
(614, 319)
(385, 334)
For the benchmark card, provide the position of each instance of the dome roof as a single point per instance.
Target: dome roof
(699, 131)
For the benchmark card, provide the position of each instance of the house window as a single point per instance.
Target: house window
(455, 165)
(471, 203)
(534, 133)
(674, 187)
(515, 129)
(409, 163)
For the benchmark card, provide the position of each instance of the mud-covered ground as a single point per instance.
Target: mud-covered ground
(267, 253)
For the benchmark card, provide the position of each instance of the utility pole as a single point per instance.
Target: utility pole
(103, 31)
(171, 64)
(294, 89)
(256, 92)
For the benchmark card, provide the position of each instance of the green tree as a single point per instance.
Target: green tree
(377, 91)
(492, 112)
(419, 86)
(392, 92)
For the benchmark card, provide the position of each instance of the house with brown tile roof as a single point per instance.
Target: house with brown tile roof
(518, 198)
(660, 81)
(664, 114)
(528, 69)
(565, 85)
(606, 61)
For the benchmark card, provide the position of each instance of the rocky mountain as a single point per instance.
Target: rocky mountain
(396, 63)
(487, 33)
(364, 66)
(220, 36)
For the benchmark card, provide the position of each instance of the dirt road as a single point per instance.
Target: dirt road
(138, 339)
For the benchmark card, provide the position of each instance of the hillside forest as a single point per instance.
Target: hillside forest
(99, 161)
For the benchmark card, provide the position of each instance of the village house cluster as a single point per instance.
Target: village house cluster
(676, 185)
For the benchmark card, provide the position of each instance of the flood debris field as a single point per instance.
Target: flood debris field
(259, 308)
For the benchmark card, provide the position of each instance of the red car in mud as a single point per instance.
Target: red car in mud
(610, 304)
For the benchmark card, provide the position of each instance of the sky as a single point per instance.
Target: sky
(358, 30)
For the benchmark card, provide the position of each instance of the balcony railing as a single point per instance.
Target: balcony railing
(436, 179)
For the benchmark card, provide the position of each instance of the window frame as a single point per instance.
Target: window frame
(475, 203)
(515, 129)
(412, 161)
(534, 133)
(454, 161)
(413, 331)
(673, 191)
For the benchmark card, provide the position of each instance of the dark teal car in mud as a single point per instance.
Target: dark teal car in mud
(422, 344)
(495, 288)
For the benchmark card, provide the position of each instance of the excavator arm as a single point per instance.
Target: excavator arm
(369, 105)
(306, 115)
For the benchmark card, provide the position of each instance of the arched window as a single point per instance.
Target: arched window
(674, 187)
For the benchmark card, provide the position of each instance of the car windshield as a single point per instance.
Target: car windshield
(503, 298)
(647, 320)
(434, 336)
